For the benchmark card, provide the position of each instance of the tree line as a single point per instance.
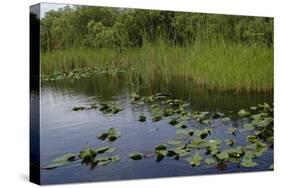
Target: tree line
(119, 28)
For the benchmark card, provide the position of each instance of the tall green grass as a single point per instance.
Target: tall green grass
(215, 64)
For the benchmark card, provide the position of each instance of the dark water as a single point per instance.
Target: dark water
(63, 130)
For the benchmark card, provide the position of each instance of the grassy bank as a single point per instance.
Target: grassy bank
(216, 64)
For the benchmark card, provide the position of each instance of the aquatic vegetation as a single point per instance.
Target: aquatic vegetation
(107, 108)
(142, 118)
(189, 141)
(80, 73)
(112, 134)
(195, 160)
(87, 156)
(136, 156)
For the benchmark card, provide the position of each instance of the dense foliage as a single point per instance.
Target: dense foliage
(119, 28)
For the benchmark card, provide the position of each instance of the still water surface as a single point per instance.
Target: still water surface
(66, 131)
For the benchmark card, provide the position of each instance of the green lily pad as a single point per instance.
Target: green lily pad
(136, 156)
(142, 118)
(61, 161)
(87, 155)
(195, 160)
(210, 161)
(230, 142)
(225, 119)
(161, 147)
(78, 108)
(173, 121)
(156, 118)
(218, 115)
(248, 163)
(223, 155)
(106, 149)
(243, 113)
(102, 136)
(175, 142)
(252, 138)
(112, 134)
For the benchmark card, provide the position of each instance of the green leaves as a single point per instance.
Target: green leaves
(136, 156)
(195, 160)
(243, 113)
(61, 161)
(210, 161)
(107, 160)
(248, 163)
(142, 118)
(112, 134)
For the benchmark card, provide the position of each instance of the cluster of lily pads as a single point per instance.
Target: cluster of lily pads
(90, 156)
(81, 73)
(192, 143)
(107, 108)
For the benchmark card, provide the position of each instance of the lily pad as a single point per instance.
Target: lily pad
(223, 155)
(78, 108)
(243, 113)
(161, 147)
(136, 156)
(225, 119)
(112, 134)
(173, 121)
(142, 118)
(230, 142)
(195, 160)
(156, 118)
(87, 155)
(175, 142)
(210, 161)
(248, 163)
(61, 161)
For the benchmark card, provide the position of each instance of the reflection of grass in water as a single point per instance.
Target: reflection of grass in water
(216, 64)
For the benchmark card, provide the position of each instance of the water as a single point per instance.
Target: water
(64, 130)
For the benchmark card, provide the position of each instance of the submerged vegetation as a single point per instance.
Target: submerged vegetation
(215, 51)
(193, 143)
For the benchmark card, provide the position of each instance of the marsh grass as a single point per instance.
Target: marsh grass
(215, 64)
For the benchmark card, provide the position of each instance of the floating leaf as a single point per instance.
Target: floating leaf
(210, 161)
(106, 149)
(252, 138)
(175, 142)
(79, 108)
(156, 118)
(142, 118)
(243, 113)
(230, 142)
(223, 155)
(61, 161)
(206, 121)
(248, 127)
(173, 121)
(225, 119)
(112, 134)
(136, 156)
(161, 147)
(102, 136)
(195, 160)
(248, 163)
(87, 155)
